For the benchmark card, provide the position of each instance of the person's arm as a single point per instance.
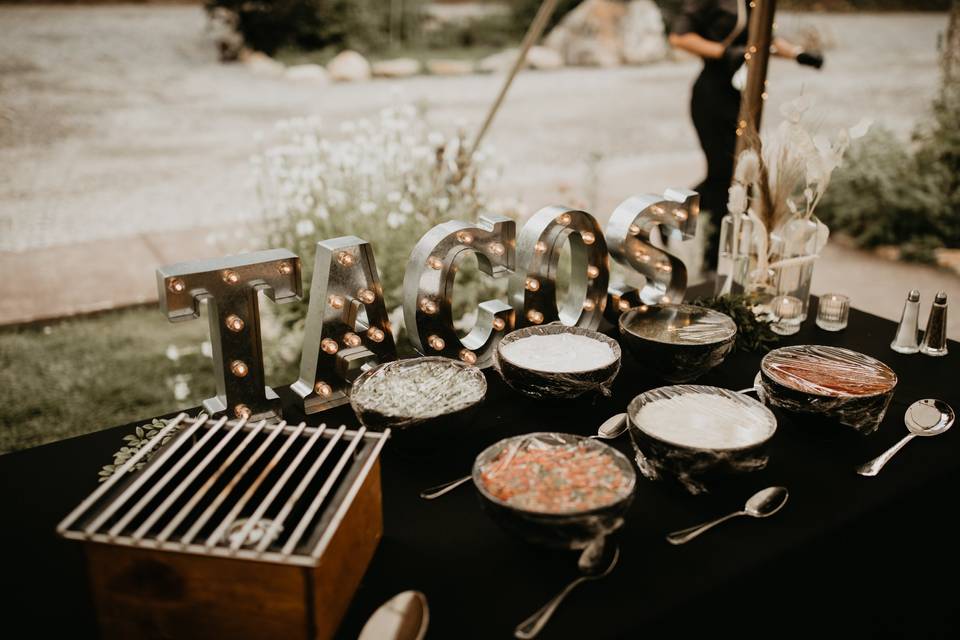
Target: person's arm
(697, 45)
(785, 49)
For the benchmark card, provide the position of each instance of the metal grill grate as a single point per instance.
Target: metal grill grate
(261, 491)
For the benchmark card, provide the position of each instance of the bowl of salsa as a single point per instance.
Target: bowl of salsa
(557, 489)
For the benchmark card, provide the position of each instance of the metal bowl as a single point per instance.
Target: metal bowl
(696, 467)
(678, 342)
(443, 395)
(567, 530)
(551, 384)
(841, 385)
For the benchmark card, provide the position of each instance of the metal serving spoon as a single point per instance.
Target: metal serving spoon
(405, 616)
(591, 570)
(923, 418)
(760, 505)
(612, 428)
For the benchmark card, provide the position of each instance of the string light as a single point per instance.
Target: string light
(234, 323)
(436, 343)
(366, 296)
(534, 316)
(329, 346)
(593, 271)
(587, 237)
(435, 263)
(322, 389)
(375, 334)
(345, 258)
(468, 356)
(499, 324)
(351, 339)
(230, 277)
(532, 284)
(428, 306)
(176, 285)
(239, 368)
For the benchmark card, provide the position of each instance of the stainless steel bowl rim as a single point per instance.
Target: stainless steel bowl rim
(633, 310)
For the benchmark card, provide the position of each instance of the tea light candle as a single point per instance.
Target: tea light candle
(833, 311)
(558, 353)
(788, 313)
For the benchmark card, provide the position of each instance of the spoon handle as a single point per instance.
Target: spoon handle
(446, 487)
(688, 534)
(873, 467)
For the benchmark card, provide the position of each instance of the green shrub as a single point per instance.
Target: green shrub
(888, 192)
(365, 25)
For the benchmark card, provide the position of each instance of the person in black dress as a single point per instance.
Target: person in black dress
(716, 30)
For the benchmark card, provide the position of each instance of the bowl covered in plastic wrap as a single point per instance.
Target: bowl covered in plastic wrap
(698, 434)
(556, 489)
(841, 385)
(420, 399)
(678, 342)
(557, 361)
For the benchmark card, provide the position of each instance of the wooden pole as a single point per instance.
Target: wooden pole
(759, 39)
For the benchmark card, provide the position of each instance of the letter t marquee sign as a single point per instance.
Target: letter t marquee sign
(230, 286)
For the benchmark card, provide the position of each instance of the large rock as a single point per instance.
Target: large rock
(396, 68)
(642, 33)
(441, 67)
(349, 66)
(261, 64)
(308, 73)
(544, 58)
(499, 62)
(606, 33)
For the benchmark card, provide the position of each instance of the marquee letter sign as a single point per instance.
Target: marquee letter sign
(230, 286)
(628, 237)
(533, 288)
(428, 288)
(347, 325)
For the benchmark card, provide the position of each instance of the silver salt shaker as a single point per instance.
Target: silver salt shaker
(906, 339)
(935, 336)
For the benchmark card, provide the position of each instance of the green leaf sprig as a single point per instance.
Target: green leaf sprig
(133, 443)
(753, 333)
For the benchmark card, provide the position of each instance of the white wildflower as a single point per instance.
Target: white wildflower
(406, 207)
(748, 167)
(395, 220)
(305, 227)
(366, 208)
(737, 199)
(394, 197)
(435, 139)
(861, 128)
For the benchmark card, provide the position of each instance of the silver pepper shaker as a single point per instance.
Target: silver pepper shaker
(935, 336)
(906, 339)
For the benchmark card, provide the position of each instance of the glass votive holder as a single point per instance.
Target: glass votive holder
(787, 315)
(833, 311)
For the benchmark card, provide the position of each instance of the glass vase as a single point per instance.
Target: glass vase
(737, 255)
(793, 254)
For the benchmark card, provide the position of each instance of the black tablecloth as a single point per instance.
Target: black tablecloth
(871, 556)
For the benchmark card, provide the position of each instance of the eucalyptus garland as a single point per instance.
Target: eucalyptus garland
(133, 443)
(753, 333)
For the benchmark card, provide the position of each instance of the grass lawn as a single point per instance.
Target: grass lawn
(77, 376)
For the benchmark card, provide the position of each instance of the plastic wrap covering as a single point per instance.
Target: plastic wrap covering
(849, 387)
(698, 434)
(586, 367)
(556, 489)
(405, 393)
(679, 342)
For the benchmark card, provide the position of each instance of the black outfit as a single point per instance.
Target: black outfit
(715, 105)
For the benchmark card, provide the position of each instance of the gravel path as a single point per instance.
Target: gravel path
(118, 120)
